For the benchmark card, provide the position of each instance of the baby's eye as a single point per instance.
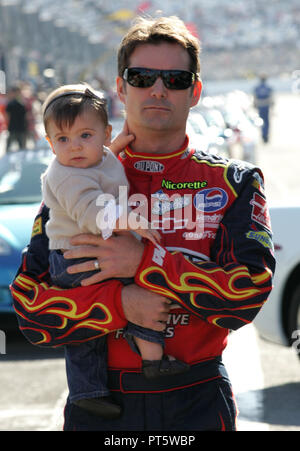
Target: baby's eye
(85, 135)
(62, 139)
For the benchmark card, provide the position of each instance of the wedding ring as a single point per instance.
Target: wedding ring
(96, 264)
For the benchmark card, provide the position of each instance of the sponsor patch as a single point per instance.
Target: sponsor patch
(210, 200)
(258, 182)
(238, 173)
(262, 237)
(205, 235)
(260, 212)
(159, 255)
(165, 203)
(149, 166)
(168, 184)
(212, 221)
(37, 227)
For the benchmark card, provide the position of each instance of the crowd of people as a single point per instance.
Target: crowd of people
(242, 39)
(21, 113)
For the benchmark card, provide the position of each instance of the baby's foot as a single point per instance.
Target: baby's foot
(167, 366)
(103, 407)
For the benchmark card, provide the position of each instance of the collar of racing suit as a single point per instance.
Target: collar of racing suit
(155, 164)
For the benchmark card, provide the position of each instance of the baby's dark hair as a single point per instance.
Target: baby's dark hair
(65, 103)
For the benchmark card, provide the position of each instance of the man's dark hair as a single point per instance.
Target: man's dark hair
(155, 31)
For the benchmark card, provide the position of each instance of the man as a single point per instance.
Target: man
(212, 263)
(16, 119)
(263, 101)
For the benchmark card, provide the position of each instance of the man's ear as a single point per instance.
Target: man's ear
(197, 89)
(121, 89)
(50, 142)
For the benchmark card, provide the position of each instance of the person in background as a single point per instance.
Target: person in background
(16, 117)
(32, 110)
(263, 102)
(3, 125)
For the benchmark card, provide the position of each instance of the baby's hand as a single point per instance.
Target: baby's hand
(138, 224)
(121, 140)
(150, 234)
(144, 229)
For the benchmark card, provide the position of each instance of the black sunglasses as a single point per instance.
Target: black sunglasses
(142, 77)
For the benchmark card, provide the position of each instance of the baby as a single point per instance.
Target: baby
(77, 128)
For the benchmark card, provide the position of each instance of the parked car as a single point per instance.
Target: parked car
(245, 130)
(117, 125)
(196, 129)
(218, 133)
(20, 197)
(279, 319)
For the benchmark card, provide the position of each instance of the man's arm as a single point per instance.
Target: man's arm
(229, 290)
(49, 316)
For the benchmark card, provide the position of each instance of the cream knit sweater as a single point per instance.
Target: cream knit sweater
(71, 195)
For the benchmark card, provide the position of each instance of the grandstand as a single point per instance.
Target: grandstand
(54, 41)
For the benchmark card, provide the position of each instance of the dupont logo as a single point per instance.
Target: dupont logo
(149, 166)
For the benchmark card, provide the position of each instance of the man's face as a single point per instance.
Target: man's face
(158, 108)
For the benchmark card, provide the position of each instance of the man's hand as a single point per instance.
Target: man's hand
(145, 308)
(119, 256)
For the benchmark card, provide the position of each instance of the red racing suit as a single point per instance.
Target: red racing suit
(218, 274)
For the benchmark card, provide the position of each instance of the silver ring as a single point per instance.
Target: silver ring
(96, 264)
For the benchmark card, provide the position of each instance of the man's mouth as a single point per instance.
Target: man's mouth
(157, 108)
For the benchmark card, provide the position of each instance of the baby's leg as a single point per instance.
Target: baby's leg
(87, 378)
(150, 345)
(149, 350)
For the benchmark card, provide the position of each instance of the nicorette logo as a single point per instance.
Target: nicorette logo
(210, 200)
(168, 184)
(149, 166)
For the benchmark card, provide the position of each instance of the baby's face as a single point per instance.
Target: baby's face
(81, 145)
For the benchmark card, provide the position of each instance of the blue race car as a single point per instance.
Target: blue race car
(20, 197)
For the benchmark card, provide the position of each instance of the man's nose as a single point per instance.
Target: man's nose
(158, 89)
